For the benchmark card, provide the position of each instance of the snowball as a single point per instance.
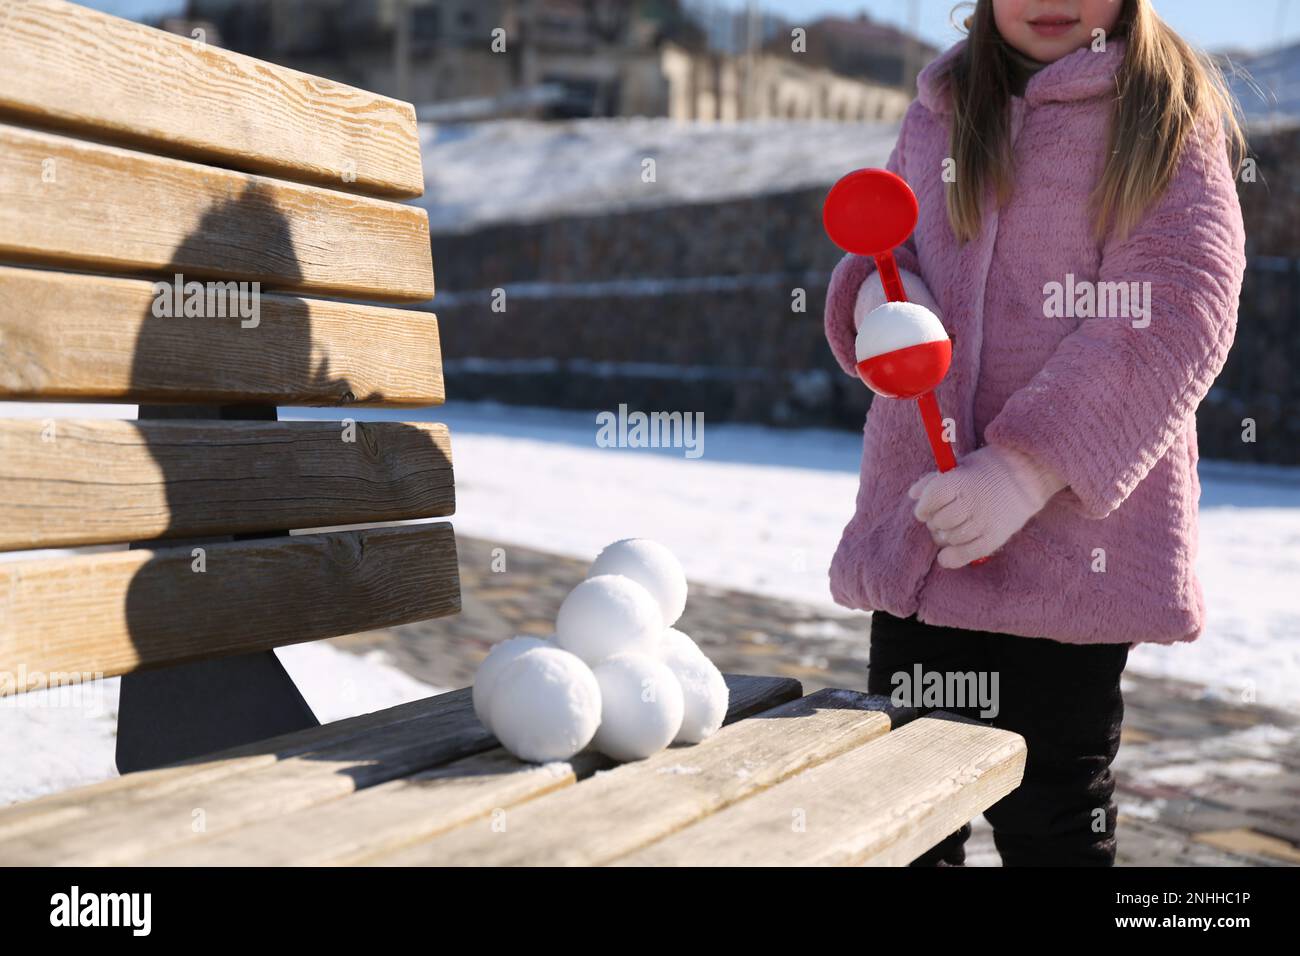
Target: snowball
(643, 706)
(897, 325)
(546, 705)
(704, 690)
(651, 565)
(672, 641)
(485, 677)
(607, 615)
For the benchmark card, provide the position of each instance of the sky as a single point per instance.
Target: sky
(1210, 24)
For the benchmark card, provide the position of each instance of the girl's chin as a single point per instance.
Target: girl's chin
(1048, 50)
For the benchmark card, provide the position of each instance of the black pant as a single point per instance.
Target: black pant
(1064, 699)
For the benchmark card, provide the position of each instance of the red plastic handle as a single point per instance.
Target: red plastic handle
(870, 212)
(887, 268)
(933, 419)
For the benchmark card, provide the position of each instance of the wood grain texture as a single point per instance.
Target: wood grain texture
(69, 337)
(76, 204)
(616, 812)
(66, 66)
(884, 803)
(281, 785)
(386, 817)
(347, 831)
(119, 825)
(107, 614)
(66, 483)
(452, 711)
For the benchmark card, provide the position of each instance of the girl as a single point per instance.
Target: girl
(1080, 238)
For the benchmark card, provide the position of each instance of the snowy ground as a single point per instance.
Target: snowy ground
(763, 508)
(57, 739)
(761, 511)
(520, 170)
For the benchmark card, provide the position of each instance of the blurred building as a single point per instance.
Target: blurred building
(862, 48)
(555, 59)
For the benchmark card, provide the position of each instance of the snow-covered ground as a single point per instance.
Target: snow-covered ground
(56, 739)
(761, 510)
(478, 174)
(1267, 86)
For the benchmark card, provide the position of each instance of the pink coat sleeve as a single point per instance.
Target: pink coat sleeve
(849, 275)
(1113, 398)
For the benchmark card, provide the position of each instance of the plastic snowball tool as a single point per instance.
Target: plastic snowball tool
(902, 348)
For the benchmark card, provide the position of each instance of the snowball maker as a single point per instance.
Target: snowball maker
(902, 350)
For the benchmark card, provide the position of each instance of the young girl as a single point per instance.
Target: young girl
(1080, 238)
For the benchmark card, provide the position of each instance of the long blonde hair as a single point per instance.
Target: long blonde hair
(1163, 90)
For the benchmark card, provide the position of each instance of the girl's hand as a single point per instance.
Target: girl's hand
(974, 509)
(872, 295)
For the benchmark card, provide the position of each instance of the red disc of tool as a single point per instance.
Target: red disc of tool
(869, 212)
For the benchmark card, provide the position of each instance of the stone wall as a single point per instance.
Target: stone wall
(693, 308)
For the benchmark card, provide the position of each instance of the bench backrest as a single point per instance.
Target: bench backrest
(128, 157)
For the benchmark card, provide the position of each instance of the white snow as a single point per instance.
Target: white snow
(763, 509)
(606, 615)
(704, 690)
(650, 565)
(546, 705)
(1267, 86)
(64, 737)
(489, 672)
(481, 174)
(642, 706)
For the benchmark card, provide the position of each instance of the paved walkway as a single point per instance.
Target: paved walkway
(1202, 781)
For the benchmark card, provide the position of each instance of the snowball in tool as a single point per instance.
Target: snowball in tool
(606, 615)
(485, 677)
(546, 705)
(704, 691)
(642, 706)
(903, 350)
(651, 565)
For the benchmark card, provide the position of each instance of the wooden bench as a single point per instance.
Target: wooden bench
(128, 156)
(836, 777)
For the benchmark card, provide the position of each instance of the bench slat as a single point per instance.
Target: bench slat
(884, 803)
(72, 203)
(70, 67)
(92, 338)
(142, 817)
(111, 613)
(123, 824)
(616, 812)
(210, 770)
(385, 818)
(67, 483)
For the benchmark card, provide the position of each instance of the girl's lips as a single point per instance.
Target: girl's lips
(1052, 26)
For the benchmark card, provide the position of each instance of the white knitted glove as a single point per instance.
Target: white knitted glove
(872, 295)
(974, 509)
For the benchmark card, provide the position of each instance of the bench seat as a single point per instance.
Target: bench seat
(836, 777)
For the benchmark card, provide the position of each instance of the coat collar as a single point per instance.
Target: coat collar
(1080, 75)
